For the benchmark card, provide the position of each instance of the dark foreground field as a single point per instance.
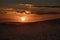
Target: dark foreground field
(45, 30)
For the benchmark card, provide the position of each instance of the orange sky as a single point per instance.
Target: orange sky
(27, 17)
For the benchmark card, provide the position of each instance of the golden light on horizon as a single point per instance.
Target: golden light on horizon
(23, 19)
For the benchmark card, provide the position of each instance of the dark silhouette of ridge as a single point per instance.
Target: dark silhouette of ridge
(41, 30)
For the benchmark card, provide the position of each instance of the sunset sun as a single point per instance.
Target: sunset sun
(23, 19)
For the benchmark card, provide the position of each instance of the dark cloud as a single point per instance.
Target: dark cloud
(40, 2)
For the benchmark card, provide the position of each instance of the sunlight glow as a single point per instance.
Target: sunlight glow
(23, 19)
(28, 5)
(28, 11)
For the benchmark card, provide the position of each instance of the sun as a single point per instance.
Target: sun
(23, 19)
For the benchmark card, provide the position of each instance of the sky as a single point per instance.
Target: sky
(41, 2)
(13, 3)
